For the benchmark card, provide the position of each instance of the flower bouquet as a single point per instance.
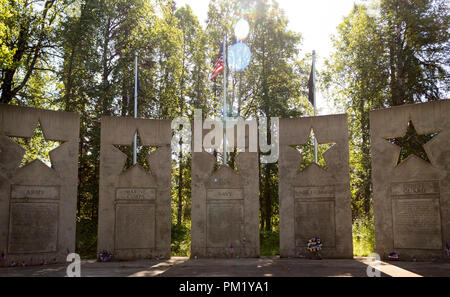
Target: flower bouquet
(105, 256)
(314, 246)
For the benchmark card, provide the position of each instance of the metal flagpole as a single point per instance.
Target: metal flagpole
(224, 100)
(314, 97)
(135, 102)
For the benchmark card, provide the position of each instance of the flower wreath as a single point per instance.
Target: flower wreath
(314, 244)
(105, 256)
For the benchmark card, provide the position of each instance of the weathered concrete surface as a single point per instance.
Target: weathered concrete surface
(411, 199)
(315, 202)
(225, 206)
(249, 267)
(134, 206)
(37, 203)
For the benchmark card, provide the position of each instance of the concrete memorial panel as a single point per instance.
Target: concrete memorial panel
(315, 200)
(134, 207)
(225, 205)
(38, 195)
(411, 186)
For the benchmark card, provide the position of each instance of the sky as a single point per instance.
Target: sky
(316, 20)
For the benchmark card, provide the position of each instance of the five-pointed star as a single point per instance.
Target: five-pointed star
(142, 151)
(36, 147)
(307, 152)
(412, 144)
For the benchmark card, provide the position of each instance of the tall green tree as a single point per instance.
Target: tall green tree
(27, 29)
(191, 93)
(272, 74)
(386, 53)
(416, 36)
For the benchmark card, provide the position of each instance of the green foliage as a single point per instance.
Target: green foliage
(28, 31)
(269, 243)
(416, 37)
(181, 240)
(363, 236)
(86, 238)
(7, 11)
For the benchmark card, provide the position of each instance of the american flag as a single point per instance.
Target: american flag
(218, 66)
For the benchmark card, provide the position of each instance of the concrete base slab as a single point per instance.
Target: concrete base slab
(250, 267)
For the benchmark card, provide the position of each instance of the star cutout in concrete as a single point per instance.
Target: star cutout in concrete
(307, 152)
(37, 147)
(142, 151)
(412, 144)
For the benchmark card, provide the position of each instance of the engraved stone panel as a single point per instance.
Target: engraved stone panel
(135, 226)
(411, 192)
(314, 192)
(37, 199)
(225, 204)
(33, 228)
(224, 224)
(228, 194)
(135, 203)
(416, 187)
(135, 194)
(314, 219)
(315, 198)
(417, 223)
(36, 192)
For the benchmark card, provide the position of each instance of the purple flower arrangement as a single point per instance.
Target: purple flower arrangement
(314, 245)
(105, 256)
(394, 256)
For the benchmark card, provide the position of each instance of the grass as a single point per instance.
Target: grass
(269, 243)
(181, 242)
(363, 236)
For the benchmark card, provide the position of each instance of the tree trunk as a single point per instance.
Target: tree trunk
(7, 86)
(8, 74)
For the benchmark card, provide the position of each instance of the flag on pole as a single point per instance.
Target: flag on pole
(218, 66)
(311, 86)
